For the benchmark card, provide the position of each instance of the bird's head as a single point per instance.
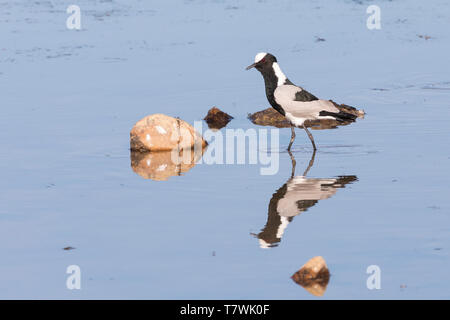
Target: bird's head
(263, 61)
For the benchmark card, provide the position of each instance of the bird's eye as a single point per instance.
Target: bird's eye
(263, 60)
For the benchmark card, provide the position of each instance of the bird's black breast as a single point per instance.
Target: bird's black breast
(274, 104)
(271, 83)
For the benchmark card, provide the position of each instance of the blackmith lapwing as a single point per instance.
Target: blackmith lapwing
(297, 195)
(294, 102)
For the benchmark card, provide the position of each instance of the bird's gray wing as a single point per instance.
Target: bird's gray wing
(301, 94)
(286, 96)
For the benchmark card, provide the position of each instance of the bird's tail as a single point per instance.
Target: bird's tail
(339, 116)
(359, 113)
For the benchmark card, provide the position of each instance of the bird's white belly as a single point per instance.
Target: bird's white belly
(296, 121)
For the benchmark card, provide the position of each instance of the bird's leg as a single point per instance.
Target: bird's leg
(293, 163)
(310, 137)
(292, 138)
(311, 163)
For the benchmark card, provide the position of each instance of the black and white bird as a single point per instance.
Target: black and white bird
(294, 102)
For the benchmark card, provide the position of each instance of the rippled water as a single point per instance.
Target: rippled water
(377, 192)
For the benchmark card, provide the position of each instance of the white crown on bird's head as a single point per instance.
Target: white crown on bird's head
(260, 56)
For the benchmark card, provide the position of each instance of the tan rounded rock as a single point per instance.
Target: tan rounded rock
(159, 132)
(313, 276)
(315, 266)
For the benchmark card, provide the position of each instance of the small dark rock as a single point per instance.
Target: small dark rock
(217, 119)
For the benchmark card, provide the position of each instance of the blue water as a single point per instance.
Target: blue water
(70, 98)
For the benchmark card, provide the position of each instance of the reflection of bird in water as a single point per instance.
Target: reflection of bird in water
(297, 195)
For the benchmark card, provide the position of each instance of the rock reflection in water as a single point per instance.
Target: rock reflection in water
(161, 166)
(313, 276)
(297, 195)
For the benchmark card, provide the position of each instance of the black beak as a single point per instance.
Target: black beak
(251, 66)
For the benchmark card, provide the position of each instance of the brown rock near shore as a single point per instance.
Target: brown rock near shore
(271, 117)
(162, 165)
(313, 276)
(158, 132)
(217, 119)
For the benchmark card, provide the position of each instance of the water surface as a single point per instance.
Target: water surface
(70, 98)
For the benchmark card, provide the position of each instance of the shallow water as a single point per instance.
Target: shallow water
(70, 98)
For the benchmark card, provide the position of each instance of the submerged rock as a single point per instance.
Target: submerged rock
(271, 117)
(313, 276)
(162, 165)
(158, 132)
(217, 119)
